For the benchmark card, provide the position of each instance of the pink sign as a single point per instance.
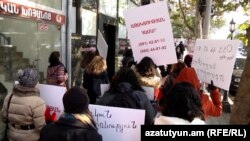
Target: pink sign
(151, 33)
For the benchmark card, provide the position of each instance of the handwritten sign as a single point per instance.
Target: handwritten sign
(53, 95)
(102, 45)
(214, 60)
(151, 34)
(118, 124)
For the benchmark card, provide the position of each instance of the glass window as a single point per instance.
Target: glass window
(122, 31)
(31, 42)
(131, 4)
(88, 22)
(83, 47)
(57, 4)
(90, 5)
(108, 7)
(123, 5)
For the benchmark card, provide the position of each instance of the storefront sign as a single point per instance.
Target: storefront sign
(43, 27)
(10, 8)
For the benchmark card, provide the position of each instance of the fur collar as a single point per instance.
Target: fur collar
(25, 91)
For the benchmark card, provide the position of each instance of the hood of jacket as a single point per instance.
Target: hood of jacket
(25, 91)
(189, 75)
(124, 87)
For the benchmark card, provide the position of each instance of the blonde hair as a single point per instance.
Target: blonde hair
(97, 65)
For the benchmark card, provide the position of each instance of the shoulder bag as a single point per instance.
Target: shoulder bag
(5, 137)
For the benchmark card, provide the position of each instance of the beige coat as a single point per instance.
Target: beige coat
(26, 108)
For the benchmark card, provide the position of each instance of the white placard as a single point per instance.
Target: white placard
(102, 45)
(118, 124)
(53, 95)
(214, 60)
(150, 92)
(150, 33)
(104, 88)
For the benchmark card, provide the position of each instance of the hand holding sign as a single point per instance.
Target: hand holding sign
(211, 86)
(212, 57)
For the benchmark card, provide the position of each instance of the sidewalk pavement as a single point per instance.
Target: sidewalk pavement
(222, 120)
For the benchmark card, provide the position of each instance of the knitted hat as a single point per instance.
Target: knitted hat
(28, 77)
(75, 100)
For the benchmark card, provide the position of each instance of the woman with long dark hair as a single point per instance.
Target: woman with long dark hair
(125, 91)
(182, 105)
(56, 72)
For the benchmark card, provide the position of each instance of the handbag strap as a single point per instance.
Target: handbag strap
(8, 106)
(7, 121)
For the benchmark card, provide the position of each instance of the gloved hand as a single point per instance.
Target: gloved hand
(211, 86)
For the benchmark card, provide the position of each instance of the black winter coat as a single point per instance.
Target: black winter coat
(69, 130)
(109, 98)
(92, 83)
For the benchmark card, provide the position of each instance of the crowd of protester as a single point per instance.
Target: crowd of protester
(179, 98)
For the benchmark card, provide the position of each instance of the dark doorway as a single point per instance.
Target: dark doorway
(109, 35)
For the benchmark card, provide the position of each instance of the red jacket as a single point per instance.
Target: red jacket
(213, 106)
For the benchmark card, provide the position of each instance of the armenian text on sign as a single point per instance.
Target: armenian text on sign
(9, 8)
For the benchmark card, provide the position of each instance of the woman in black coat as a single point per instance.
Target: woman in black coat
(76, 124)
(126, 92)
(94, 75)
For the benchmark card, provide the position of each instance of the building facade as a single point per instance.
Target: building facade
(31, 29)
(107, 17)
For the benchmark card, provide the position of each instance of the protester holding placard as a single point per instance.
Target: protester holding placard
(23, 109)
(169, 80)
(148, 74)
(182, 105)
(211, 107)
(76, 123)
(94, 75)
(125, 91)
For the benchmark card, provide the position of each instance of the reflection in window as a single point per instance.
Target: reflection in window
(108, 7)
(57, 4)
(88, 22)
(123, 4)
(132, 4)
(122, 31)
(89, 4)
